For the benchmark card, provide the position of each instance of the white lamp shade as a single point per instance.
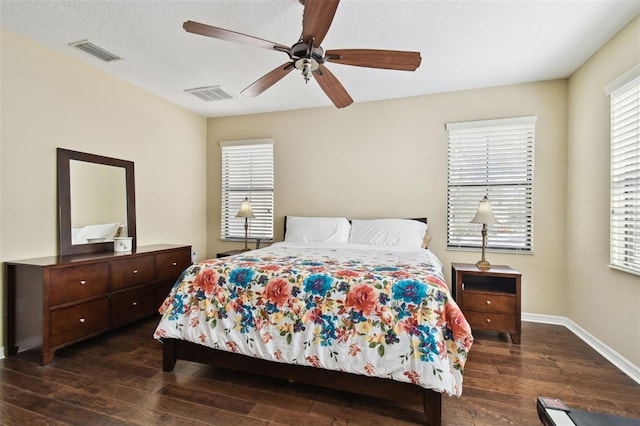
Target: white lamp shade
(484, 213)
(245, 209)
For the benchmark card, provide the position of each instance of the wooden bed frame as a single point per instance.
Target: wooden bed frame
(175, 349)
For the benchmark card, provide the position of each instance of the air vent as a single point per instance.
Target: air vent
(211, 93)
(92, 49)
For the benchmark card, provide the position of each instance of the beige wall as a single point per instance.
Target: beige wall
(50, 101)
(389, 159)
(604, 301)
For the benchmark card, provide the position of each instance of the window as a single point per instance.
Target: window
(625, 172)
(247, 172)
(492, 158)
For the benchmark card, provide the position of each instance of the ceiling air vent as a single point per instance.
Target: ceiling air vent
(211, 93)
(92, 49)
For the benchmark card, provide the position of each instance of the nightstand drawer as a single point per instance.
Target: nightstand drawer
(491, 321)
(488, 302)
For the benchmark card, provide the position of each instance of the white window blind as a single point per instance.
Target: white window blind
(625, 175)
(492, 158)
(247, 171)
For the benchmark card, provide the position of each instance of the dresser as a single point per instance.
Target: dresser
(53, 302)
(490, 300)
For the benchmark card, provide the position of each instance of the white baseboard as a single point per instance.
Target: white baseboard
(626, 366)
(1, 352)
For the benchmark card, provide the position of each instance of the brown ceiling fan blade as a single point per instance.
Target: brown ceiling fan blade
(374, 58)
(332, 87)
(317, 18)
(268, 80)
(222, 34)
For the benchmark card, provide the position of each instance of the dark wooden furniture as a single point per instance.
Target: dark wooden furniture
(174, 349)
(56, 301)
(489, 299)
(229, 253)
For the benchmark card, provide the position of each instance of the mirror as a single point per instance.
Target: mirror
(96, 202)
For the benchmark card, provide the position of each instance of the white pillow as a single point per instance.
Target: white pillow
(316, 229)
(388, 232)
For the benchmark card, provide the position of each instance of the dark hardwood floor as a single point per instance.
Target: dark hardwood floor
(117, 379)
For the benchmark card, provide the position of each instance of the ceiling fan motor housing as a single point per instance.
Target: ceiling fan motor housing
(300, 50)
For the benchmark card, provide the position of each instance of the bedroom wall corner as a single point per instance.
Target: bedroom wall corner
(603, 301)
(48, 101)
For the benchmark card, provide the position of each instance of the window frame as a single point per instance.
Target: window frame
(624, 172)
(470, 177)
(255, 183)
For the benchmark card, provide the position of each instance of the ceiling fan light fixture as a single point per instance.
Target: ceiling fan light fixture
(307, 67)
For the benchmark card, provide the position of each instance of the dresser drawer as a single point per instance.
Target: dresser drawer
(491, 321)
(78, 321)
(130, 305)
(78, 283)
(488, 302)
(170, 265)
(132, 272)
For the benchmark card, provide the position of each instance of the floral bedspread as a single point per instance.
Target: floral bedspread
(382, 312)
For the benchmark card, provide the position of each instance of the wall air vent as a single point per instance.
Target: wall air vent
(211, 93)
(92, 49)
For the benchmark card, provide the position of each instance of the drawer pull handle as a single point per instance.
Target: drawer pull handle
(135, 271)
(488, 302)
(82, 320)
(82, 282)
(174, 264)
(488, 320)
(135, 303)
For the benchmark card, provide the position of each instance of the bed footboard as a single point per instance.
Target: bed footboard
(174, 349)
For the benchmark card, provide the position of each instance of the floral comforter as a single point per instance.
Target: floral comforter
(375, 311)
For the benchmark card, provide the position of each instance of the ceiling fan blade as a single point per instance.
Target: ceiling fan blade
(332, 87)
(268, 80)
(222, 34)
(374, 58)
(317, 18)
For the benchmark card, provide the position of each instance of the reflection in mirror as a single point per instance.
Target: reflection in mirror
(99, 202)
(96, 202)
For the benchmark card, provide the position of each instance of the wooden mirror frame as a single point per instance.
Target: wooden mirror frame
(64, 201)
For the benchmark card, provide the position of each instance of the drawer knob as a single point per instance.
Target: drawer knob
(82, 320)
(135, 271)
(83, 282)
(488, 302)
(488, 320)
(135, 303)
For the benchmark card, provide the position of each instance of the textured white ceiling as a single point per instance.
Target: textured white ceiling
(464, 44)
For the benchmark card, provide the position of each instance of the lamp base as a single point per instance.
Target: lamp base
(483, 265)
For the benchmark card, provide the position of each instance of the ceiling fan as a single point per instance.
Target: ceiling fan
(307, 56)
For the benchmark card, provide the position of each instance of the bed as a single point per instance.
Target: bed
(358, 306)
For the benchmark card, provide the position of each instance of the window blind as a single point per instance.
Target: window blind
(247, 171)
(492, 158)
(625, 176)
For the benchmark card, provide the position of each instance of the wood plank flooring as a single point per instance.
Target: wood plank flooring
(116, 379)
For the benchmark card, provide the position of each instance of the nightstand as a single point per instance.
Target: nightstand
(490, 300)
(229, 253)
